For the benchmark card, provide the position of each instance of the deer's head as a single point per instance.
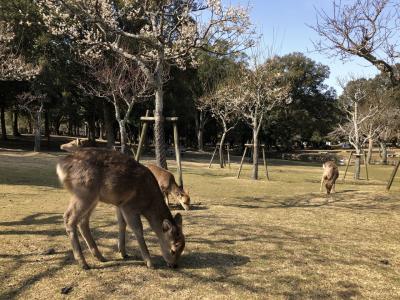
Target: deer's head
(328, 186)
(71, 146)
(184, 198)
(173, 240)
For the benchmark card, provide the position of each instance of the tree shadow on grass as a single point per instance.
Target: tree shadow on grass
(28, 282)
(350, 199)
(36, 219)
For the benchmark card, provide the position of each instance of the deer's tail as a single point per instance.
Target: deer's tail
(61, 173)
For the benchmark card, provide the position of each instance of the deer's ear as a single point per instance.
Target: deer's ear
(178, 219)
(166, 225)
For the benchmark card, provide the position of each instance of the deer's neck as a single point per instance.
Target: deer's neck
(156, 214)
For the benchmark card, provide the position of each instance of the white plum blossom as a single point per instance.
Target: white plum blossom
(13, 66)
(152, 35)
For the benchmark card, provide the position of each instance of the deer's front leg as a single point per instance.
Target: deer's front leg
(121, 233)
(134, 222)
(166, 198)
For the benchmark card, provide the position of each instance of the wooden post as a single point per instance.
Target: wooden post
(389, 184)
(142, 138)
(227, 152)
(348, 164)
(265, 161)
(212, 157)
(366, 164)
(178, 155)
(241, 163)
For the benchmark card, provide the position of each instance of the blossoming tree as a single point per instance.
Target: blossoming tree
(153, 34)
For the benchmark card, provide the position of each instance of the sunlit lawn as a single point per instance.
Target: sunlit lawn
(278, 239)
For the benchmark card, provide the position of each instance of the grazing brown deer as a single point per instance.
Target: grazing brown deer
(168, 186)
(329, 176)
(93, 175)
(75, 145)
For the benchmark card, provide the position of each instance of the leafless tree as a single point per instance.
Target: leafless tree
(257, 91)
(33, 104)
(201, 120)
(223, 107)
(363, 28)
(359, 124)
(389, 122)
(122, 83)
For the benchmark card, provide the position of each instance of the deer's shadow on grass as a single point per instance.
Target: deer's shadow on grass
(192, 260)
(201, 260)
(194, 206)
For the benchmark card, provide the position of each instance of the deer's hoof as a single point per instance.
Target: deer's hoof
(149, 265)
(172, 266)
(85, 267)
(102, 259)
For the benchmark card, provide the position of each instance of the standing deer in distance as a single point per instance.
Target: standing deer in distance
(329, 176)
(92, 175)
(168, 186)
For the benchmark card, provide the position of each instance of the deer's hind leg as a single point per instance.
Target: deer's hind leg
(87, 235)
(121, 233)
(76, 210)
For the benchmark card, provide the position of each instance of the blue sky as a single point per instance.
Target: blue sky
(284, 23)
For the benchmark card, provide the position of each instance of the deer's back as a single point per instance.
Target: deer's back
(108, 175)
(164, 178)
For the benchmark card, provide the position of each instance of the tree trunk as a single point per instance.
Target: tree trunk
(370, 146)
(47, 127)
(101, 130)
(30, 127)
(200, 122)
(15, 124)
(38, 121)
(383, 153)
(108, 125)
(255, 153)
(91, 128)
(3, 123)
(221, 150)
(159, 135)
(123, 135)
(70, 125)
(57, 124)
(357, 165)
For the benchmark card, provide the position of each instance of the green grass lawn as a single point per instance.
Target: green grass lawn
(278, 239)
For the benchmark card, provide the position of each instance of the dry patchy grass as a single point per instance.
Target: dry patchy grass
(280, 239)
